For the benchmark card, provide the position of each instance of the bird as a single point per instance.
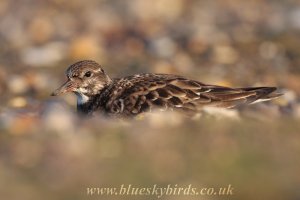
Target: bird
(146, 92)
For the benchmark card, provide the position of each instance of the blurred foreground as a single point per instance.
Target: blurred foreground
(59, 156)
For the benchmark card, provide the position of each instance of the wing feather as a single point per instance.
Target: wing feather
(150, 91)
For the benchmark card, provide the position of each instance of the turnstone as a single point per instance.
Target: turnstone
(132, 95)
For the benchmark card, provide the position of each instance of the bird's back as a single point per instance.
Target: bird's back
(140, 93)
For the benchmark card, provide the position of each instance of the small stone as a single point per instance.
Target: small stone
(58, 118)
(268, 50)
(288, 96)
(41, 29)
(163, 10)
(183, 62)
(164, 47)
(163, 66)
(17, 84)
(17, 102)
(224, 54)
(85, 47)
(295, 18)
(45, 56)
(297, 111)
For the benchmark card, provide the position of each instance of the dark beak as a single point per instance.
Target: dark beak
(68, 86)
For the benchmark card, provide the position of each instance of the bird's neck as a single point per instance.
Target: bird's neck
(82, 99)
(83, 102)
(87, 104)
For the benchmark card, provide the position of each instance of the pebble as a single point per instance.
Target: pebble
(44, 56)
(224, 54)
(56, 117)
(85, 47)
(164, 46)
(41, 29)
(294, 18)
(17, 102)
(17, 84)
(268, 50)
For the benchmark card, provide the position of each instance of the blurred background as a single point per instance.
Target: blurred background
(47, 152)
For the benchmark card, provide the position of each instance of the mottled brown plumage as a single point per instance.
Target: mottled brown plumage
(132, 95)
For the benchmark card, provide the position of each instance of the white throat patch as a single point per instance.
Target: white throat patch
(82, 99)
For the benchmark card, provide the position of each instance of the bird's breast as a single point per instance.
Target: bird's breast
(82, 99)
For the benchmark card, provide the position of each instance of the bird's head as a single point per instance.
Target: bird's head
(85, 78)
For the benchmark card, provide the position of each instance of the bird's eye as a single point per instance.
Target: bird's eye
(88, 74)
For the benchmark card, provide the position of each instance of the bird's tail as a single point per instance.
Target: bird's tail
(233, 97)
(261, 94)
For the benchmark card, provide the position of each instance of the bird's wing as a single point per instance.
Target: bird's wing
(160, 91)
